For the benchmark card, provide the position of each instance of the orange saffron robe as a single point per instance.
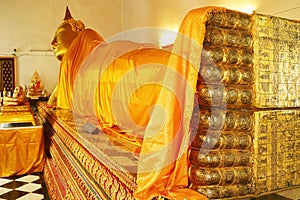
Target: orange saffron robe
(83, 44)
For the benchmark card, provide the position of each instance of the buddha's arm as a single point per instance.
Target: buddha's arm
(53, 97)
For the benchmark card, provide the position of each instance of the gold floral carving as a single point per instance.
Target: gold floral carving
(113, 184)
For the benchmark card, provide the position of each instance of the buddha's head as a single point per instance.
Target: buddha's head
(65, 34)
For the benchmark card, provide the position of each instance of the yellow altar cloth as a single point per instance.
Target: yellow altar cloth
(17, 117)
(21, 150)
(21, 142)
(16, 114)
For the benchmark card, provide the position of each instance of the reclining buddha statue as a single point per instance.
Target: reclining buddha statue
(133, 88)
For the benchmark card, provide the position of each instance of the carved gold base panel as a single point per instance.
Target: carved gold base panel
(87, 172)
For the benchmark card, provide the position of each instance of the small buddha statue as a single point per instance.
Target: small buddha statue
(4, 93)
(35, 87)
(17, 98)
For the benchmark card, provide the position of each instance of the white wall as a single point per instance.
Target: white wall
(29, 25)
(46, 66)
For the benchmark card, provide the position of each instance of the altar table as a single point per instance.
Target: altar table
(22, 149)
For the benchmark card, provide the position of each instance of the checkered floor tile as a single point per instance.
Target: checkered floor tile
(25, 187)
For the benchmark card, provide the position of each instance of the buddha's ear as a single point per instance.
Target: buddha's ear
(68, 14)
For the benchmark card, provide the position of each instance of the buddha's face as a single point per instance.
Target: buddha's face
(63, 38)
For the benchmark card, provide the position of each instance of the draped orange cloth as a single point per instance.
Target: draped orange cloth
(171, 180)
(149, 92)
(83, 44)
(22, 150)
(108, 66)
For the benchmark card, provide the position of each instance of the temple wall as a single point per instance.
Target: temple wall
(28, 26)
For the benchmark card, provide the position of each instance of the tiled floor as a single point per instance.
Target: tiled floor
(26, 187)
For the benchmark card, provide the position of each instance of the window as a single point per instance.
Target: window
(7, 73)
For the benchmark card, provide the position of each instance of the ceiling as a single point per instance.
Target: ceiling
(288, 9)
